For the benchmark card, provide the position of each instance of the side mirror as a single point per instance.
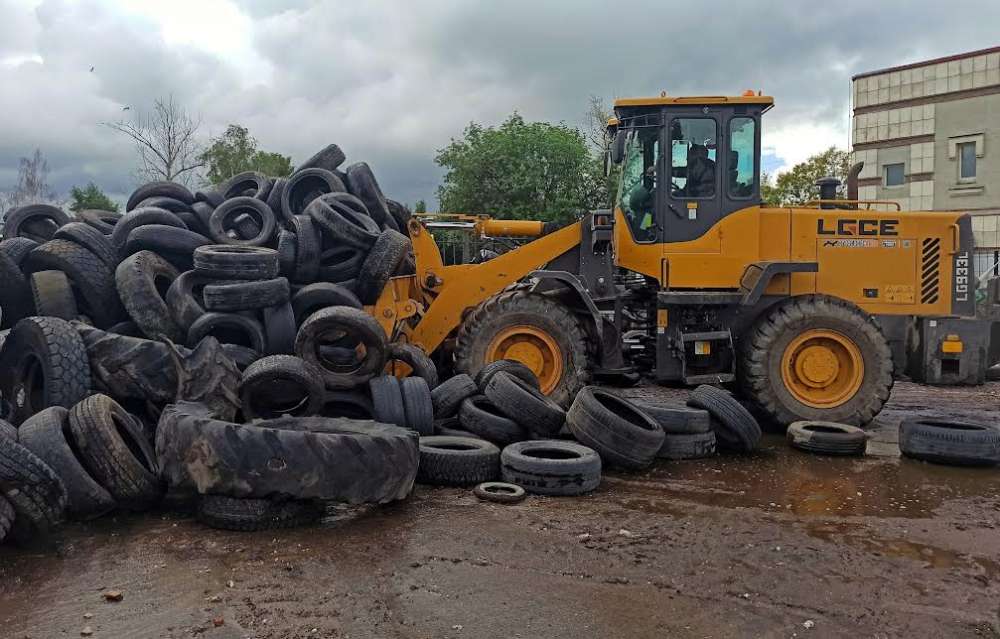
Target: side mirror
(618, 147)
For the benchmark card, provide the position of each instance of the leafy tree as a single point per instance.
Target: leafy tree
(798, 185)
(420, 207)
(520, 170)
(235, 151)
(90, 197)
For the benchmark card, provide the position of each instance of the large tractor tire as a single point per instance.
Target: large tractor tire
(533, 329)
(816, 358)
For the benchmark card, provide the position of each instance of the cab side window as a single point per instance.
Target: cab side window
(693, 158)
(639, 182)
(741, 168)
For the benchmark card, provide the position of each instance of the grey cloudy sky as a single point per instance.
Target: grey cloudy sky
(391, 82)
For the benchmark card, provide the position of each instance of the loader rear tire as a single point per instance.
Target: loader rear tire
(530, 328)
(816, 358)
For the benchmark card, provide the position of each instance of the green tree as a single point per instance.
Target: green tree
(520, 170)
(235, 151)
(798, 185)
(420, 207)
(90, 197)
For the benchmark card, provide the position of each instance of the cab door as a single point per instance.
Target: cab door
(691, 189)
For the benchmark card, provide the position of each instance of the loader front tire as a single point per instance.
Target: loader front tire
(816, 358)
(533, 329)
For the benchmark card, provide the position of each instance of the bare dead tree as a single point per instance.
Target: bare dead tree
(166, 140)
(32, 184)
(597, 124)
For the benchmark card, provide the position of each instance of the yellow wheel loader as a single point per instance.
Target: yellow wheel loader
(691, 279)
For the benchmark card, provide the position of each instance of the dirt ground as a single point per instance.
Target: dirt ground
(780, 544)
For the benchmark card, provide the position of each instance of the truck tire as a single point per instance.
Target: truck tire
(89, 238)
(687, 446)
(24, 222)
(93, 280)
(246, 184)
(388, 251)
(249, 515)
(17, 248)
(281, 385)
(236, 262)
(551, 467)
(479, 416)
(827, 438)
(219, 223)
(816, 358)
(246, 295)
(449, 395)
(526, 405)
(512, 366)
(517, 320)
(307, 248)
(949, 442)
(351, 324)
(159, 189)
(312, 297)
(414, 357)
(143, 280)
(457, 461)
(306, 185)
(617, 429)
(417, 405)
(48, 436)
(53, 295)
(103, 221)
(735, 428)
(228, 328)
(678, 420)
(32, 488)
(387, 400)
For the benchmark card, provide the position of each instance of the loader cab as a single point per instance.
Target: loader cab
(686, 163)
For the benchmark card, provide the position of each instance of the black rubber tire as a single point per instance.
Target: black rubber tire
(274, 202)
(143, 280)
(417, 405)
(127, 328)
(53, 295)
(241, 355)
(173, 205)
(382, 261)
(212, 197)
(228, 328)
(140, 217)
(735, 428)
(93, 280)
(349, 404)
(203, 212)
(103, 221)
(6, 428)
(279, 385)
(313, 297)
(236, 262)
(517, 307)
(387, 400)
(159, 189)
(246, 295)
(32, 488)
(43, 363)
(499, 492)
(15, 293)
(175, 245)
(17, 248)
(18, 222)
(762, 351)
(362, 184)
(457, 461)
(414, 357)
(287, 242)
(950, 442)
(193, 222)
(329, 158)
(342, 222)
(112, 447)
(616, 428)
(244, 226)
(292, 457)
(307, 249)
(827, 438)
(280, 329)
(478, 415)
(89, 238)
(400, 213)
(230, 209)
(687, 446)
(47, 435)
(129, 367)
(340, 263)
(678, 420)
(551, 467)
(184, 298)
(448, 396)
(526, 405)
(250, 515)
(354, 324)
(7, 514)
(246, 184)
(306, 185)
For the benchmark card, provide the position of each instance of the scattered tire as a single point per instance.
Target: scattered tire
(280, 329)
(89, 238)
(382, 261)
(281, 385)
(184, 298)
(417, 405)
(351, 404)
(221, 218)
(478, 415)
(387, 400)
(551, 467)
(343, 323)
(524, 404)
(342, 221)
(420, 365)
(950, 442)
(687, 446)
(329, 159)
(306, 185)
(236, 262)
(248, 515)
(159, 189)
(93, 280)
(53, 295)
(827, 438)
(449, 395)
(457, 461)
(312, 297)
(514, 367)
(228, 328)
(616, 428)
(32, 488)
(307, 248)
(243, 295)
(103, 221)
(23, 221)
(340, 263)
(15, 293)
(143, 280)
(141, 217)
(678, 420)
(735, 428)
(246, 184)
(362, 184)
(499, 492)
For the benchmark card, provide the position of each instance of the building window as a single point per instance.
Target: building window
(893, 174)
(967, 162)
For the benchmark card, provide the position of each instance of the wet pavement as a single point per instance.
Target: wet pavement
(779, 544)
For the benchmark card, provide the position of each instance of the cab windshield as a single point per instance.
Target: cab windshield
(637, 194)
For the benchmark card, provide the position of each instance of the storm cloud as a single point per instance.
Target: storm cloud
(392, 82)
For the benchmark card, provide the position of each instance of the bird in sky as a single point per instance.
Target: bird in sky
(91, 69)
(126, 108)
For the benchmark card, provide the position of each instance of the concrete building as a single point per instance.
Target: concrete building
(929, 135)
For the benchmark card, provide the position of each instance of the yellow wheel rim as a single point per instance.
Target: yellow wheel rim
(534, 348)
(822, 368)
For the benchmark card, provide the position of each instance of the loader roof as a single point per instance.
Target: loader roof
(666, 100)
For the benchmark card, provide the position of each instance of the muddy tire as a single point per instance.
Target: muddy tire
(387, 400)
(113, 448)
(48, 436)
(511, 366)
(17, 248)
(551, 467)
(678, 420)
(449, 395)
(93, 280)
(735, 428)
(129, 367)
(562, 349)
(246, 295)
(236, 262)
(281, 385)
(103, 221)
(384, 258)
(526, 405)
(248, 515)
(949, 442)
(36, 222)
(159, 189)
(43, 363)
(89, 238)
(617, 429)
(827, 438)
(417, 405)
(478, 415)
(414, 357)
(347, 323)
(312, 297)
(32, 488)
(853, 367)
(499, 492)
(288, 458)
(457, 461)
(308, 246)
(53, 295)
(687, 446)
(143, 280)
